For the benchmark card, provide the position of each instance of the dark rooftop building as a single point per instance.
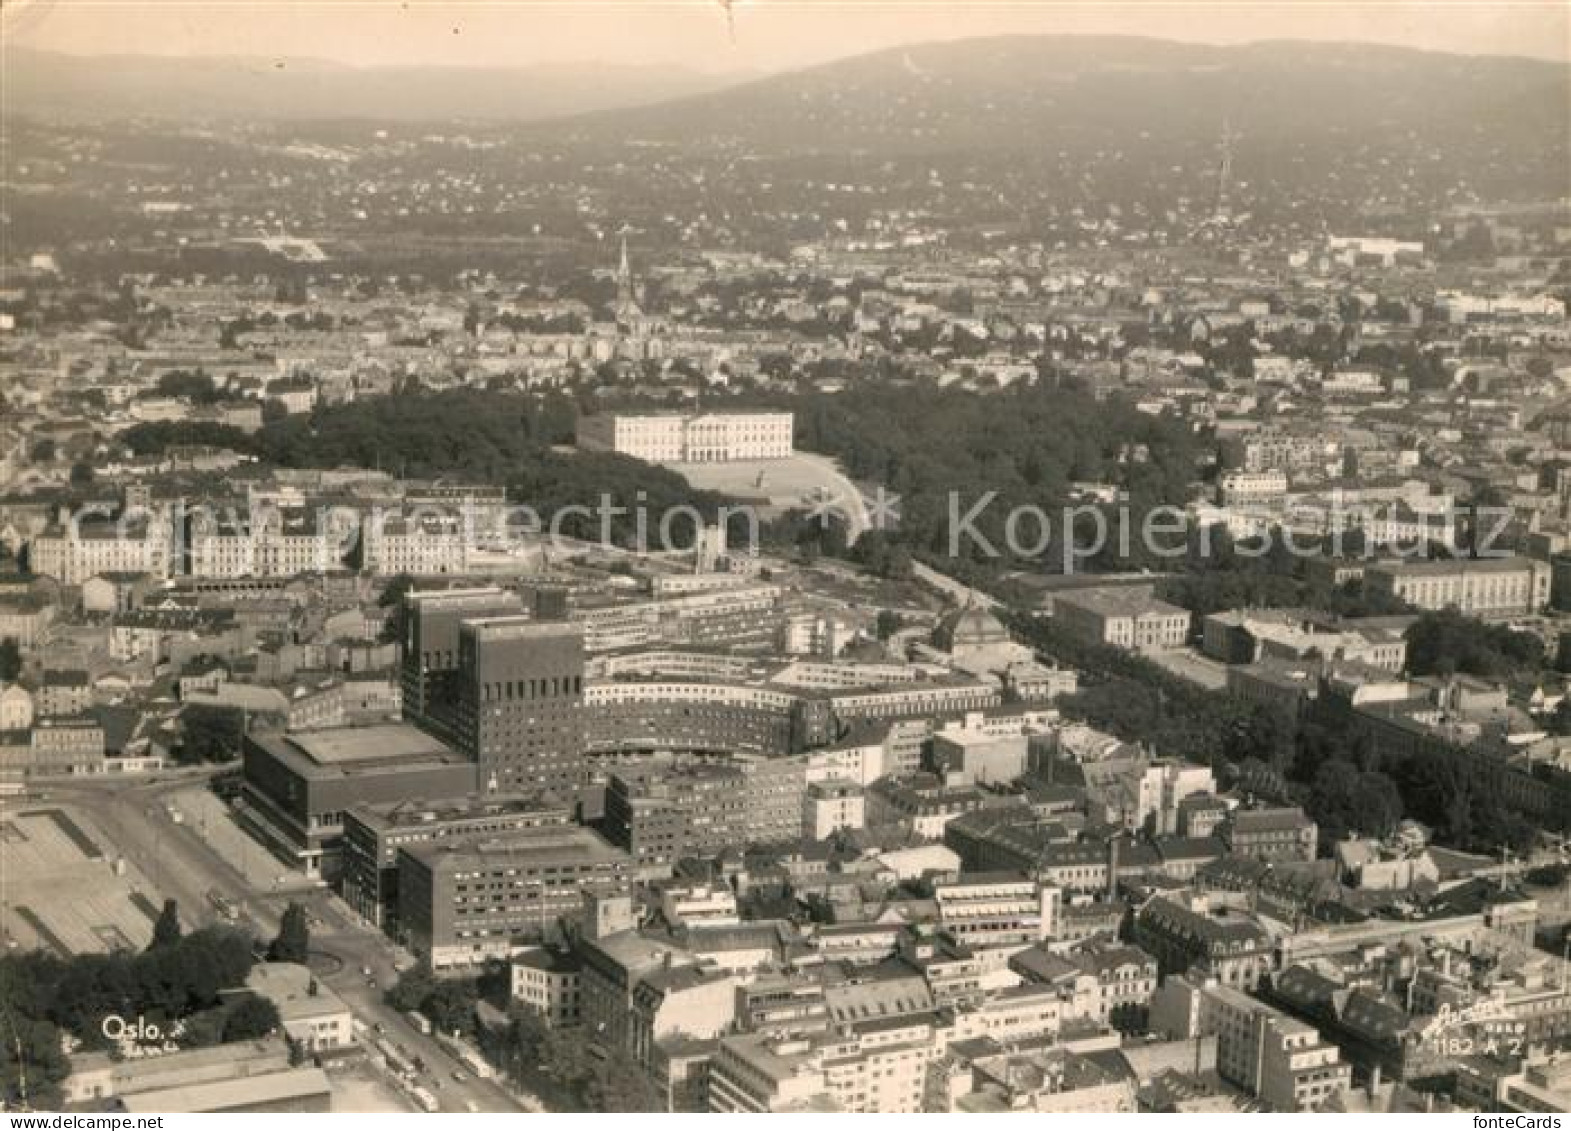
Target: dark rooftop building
(298, 786)
(461, 902)
(373, 834)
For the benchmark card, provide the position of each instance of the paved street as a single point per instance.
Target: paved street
(172, 856)
(184, 866)
(960, 593)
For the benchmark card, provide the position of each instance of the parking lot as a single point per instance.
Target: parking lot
(65, 889)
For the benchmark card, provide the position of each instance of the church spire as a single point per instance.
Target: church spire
(624, 275)
(627, 311)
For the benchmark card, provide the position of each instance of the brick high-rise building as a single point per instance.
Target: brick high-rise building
(428, 675)
(521, 702)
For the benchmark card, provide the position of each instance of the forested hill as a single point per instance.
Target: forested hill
(1303, 111)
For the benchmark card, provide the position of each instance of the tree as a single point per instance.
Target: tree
(1446, 642)
(32, 1064)
(194, 386)
(1343, 800)
(293, 942)
(81, 474)
(392, 598)
(154, 437)
(1548, 875)
(593, 1083)
(610, 1088)
(889, 623)
(45, 995)
(250, 1017)
(495, 983)
(166, 931)
(392, 594)
(1265, 734)
(210, 733)
(10, 659)
(451, 1006)
(525, 1042)
(412, 988)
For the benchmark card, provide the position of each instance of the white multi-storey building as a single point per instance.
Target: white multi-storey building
(872, 1065)
(1127, 618)
(1272, 1056)
(84, 549)
(420, 544)
(1487, 587)
(1251, 486)
(716, 437)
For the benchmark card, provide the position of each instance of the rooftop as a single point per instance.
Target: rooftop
(225, 1095)
(1119, 602)
(474, 806)
(347, 750)
(568, 844)
(1457, 565)
(294, 989)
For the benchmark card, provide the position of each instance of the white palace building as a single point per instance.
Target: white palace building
(710, 437)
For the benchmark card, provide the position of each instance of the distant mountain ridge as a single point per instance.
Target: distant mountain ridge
(1007, 91)
(108, 87)
(1311, 119)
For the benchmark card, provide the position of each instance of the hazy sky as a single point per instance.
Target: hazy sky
(769, 34)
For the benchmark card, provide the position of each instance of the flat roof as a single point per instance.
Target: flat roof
(1457, 565)
(417, 813)
(294, 989)
(189, 1060)
(379, 743)
(1125, 601)
(520, 626)
(461, 597)
(221, 1095)
(570, 843)
(349, 751)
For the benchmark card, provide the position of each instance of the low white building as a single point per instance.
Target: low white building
(1251, 487)
(312, 1014)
